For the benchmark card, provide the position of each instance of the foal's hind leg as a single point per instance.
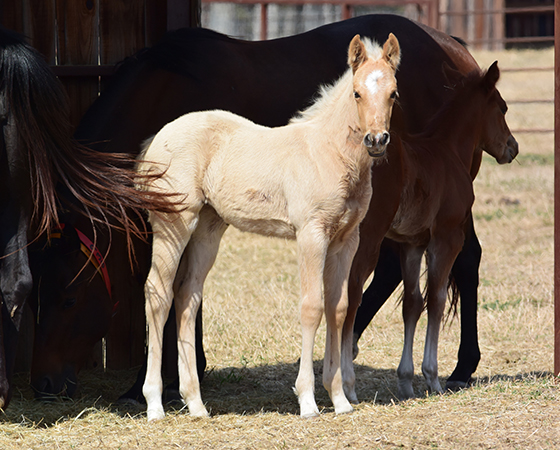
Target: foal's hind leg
(198, 259)
(170, 239)
(412, 305)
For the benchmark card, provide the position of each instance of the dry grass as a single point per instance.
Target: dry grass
(252, 337)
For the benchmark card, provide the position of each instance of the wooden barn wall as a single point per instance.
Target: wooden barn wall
(82, 40)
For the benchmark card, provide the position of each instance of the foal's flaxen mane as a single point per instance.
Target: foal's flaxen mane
(329, 96)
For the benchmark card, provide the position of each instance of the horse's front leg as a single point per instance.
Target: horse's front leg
(312, 252)
(441, 256)
(338, 368)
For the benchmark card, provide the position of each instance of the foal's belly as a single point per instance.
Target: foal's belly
(255, 212)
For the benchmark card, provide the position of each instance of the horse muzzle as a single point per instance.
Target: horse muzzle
(377, 144)
(510, 152)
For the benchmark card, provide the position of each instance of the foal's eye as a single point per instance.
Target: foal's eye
(356, 95)
(394, 95)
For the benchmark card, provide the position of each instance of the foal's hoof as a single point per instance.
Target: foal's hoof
(155, 414)
(198, 410)
(346, 409)
(309, 415)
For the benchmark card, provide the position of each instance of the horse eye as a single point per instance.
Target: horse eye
(69, 302)
(394, 95)
(356, 95)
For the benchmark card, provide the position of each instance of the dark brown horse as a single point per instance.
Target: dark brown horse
(37, 154)
(422, 200)
(267, 82)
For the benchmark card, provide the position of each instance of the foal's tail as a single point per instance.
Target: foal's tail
(102, 186)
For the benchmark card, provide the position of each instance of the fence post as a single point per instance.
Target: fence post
(556, 190)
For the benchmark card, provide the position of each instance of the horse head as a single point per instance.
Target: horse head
(496, 138)
(73, 308)
(494, 135)
(375, 90)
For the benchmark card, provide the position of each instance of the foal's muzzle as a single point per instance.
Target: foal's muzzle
(376, 145)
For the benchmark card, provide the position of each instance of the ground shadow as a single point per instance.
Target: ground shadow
(232, 390)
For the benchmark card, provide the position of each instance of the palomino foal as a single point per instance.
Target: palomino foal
(309, 180)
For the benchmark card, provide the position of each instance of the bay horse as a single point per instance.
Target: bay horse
(267, 82)
(38, 155)
(309, 180)
(423, 202)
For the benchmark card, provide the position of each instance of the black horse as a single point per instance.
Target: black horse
(39, 159)
(267, 82)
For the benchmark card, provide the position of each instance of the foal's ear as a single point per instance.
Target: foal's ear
(392, 51)
(357, 53)
(492, 76)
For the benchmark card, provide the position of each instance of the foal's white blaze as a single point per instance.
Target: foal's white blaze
(372, 81)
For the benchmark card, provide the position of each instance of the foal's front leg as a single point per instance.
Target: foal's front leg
(338, 368)
(311, 251)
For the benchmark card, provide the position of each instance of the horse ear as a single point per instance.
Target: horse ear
(392, 51)
(452, 76)
(357, 53)
(492, 76)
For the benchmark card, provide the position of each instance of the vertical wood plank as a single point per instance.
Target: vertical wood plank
(156, 21)
(78, 39)
(40, 27)
(121, 29)
(122, 33)
(11, 14)
(499, 24)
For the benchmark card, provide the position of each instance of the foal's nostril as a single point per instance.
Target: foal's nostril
(385, 138)
(368, 140)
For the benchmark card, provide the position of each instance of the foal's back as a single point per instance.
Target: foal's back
(245, 171)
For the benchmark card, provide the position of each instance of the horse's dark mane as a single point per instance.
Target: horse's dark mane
(434, 125)
(460, 41)
(102, 185)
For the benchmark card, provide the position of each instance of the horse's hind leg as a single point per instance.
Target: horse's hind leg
(441, 255)
(338, 369)
(170, 240)
(412, 305)
(198, 259)
(363, 264)
(386, 279)
(465, 273)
